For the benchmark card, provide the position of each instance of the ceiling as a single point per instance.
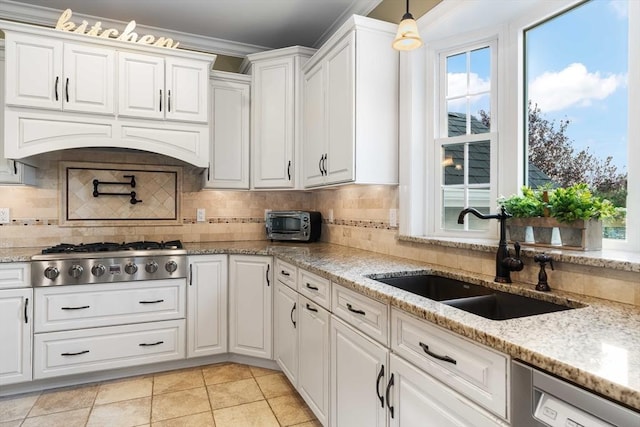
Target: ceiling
(258, 24)
(231, 29)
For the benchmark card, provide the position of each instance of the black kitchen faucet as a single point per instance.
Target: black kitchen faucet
(505, 263)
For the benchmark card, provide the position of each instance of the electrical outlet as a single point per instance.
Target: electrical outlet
(330, 218)
(266, 211)
(5, 218)
(393, 217)
(200, 215)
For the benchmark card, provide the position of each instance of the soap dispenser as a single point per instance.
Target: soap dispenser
(543, 259)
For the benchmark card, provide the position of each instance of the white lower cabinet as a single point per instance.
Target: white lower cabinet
(474, 371)
(250, 299)
(418, 400)
(16, 327)
(94, 349)
(87, 328)
(313, 371)
(207, 305)
(285, 330)
(359, 372)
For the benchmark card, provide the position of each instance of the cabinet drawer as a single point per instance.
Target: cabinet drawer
(86, 306)
(314, 287)
(471, 369)
(88, 350)
(15, 275)
(286, 273)
(363, 313)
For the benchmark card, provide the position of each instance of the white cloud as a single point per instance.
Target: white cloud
(620, 8)
(457, 83)
(573, 86)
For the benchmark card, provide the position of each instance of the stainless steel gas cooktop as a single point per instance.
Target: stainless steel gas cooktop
(67, 264)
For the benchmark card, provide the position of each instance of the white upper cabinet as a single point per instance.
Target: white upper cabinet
(67, 90)
(51, 74)
(157, 88)
(314, 131)
(186, 85)
(230, 103)
(350, 113)
(47, 73)
(34, 71)
(89, 82)
(141, 86)
(275, 105)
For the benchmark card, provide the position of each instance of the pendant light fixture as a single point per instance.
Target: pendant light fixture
(407, 37)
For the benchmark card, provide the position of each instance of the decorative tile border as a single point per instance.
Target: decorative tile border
(360, 223)
(223, 220)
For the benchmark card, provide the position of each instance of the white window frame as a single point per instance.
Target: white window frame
(455, 23)
(439, 136)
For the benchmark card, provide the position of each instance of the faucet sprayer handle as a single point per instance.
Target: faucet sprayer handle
(516, 246)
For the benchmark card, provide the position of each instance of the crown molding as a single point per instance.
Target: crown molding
(359, 7)
(47, 17)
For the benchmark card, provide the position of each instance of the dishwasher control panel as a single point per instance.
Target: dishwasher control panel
(557, 413)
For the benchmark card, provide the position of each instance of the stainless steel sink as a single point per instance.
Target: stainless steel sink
(485, 302)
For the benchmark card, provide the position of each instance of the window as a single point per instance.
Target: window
(576, 110)
(465, 140)
(472, 74)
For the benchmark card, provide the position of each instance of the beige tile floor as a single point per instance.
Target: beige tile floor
(221, 395)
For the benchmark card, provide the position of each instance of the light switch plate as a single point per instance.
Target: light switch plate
(330, 219)
(200, 215)
(5, 217)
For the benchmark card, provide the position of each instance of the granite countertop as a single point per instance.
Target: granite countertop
(596, 346)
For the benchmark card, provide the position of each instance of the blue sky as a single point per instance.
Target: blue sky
(577, 70)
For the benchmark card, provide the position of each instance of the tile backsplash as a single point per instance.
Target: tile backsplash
(360, 220)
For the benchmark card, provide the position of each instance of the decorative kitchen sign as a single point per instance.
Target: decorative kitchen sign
(110, 194)
(64, 24)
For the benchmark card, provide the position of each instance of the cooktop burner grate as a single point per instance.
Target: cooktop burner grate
(67, 248)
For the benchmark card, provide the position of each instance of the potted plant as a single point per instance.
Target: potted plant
(574, 210)
(524, 209)
(579, 214)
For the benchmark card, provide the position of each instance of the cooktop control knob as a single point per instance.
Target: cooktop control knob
(75, 271)
(130, 268)
(151, 267)
(51, 273)
(98, 270)
(171, 266)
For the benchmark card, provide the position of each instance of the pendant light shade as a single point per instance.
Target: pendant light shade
(407, 37)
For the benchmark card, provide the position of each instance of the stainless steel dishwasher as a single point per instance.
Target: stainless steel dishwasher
(539, 399)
